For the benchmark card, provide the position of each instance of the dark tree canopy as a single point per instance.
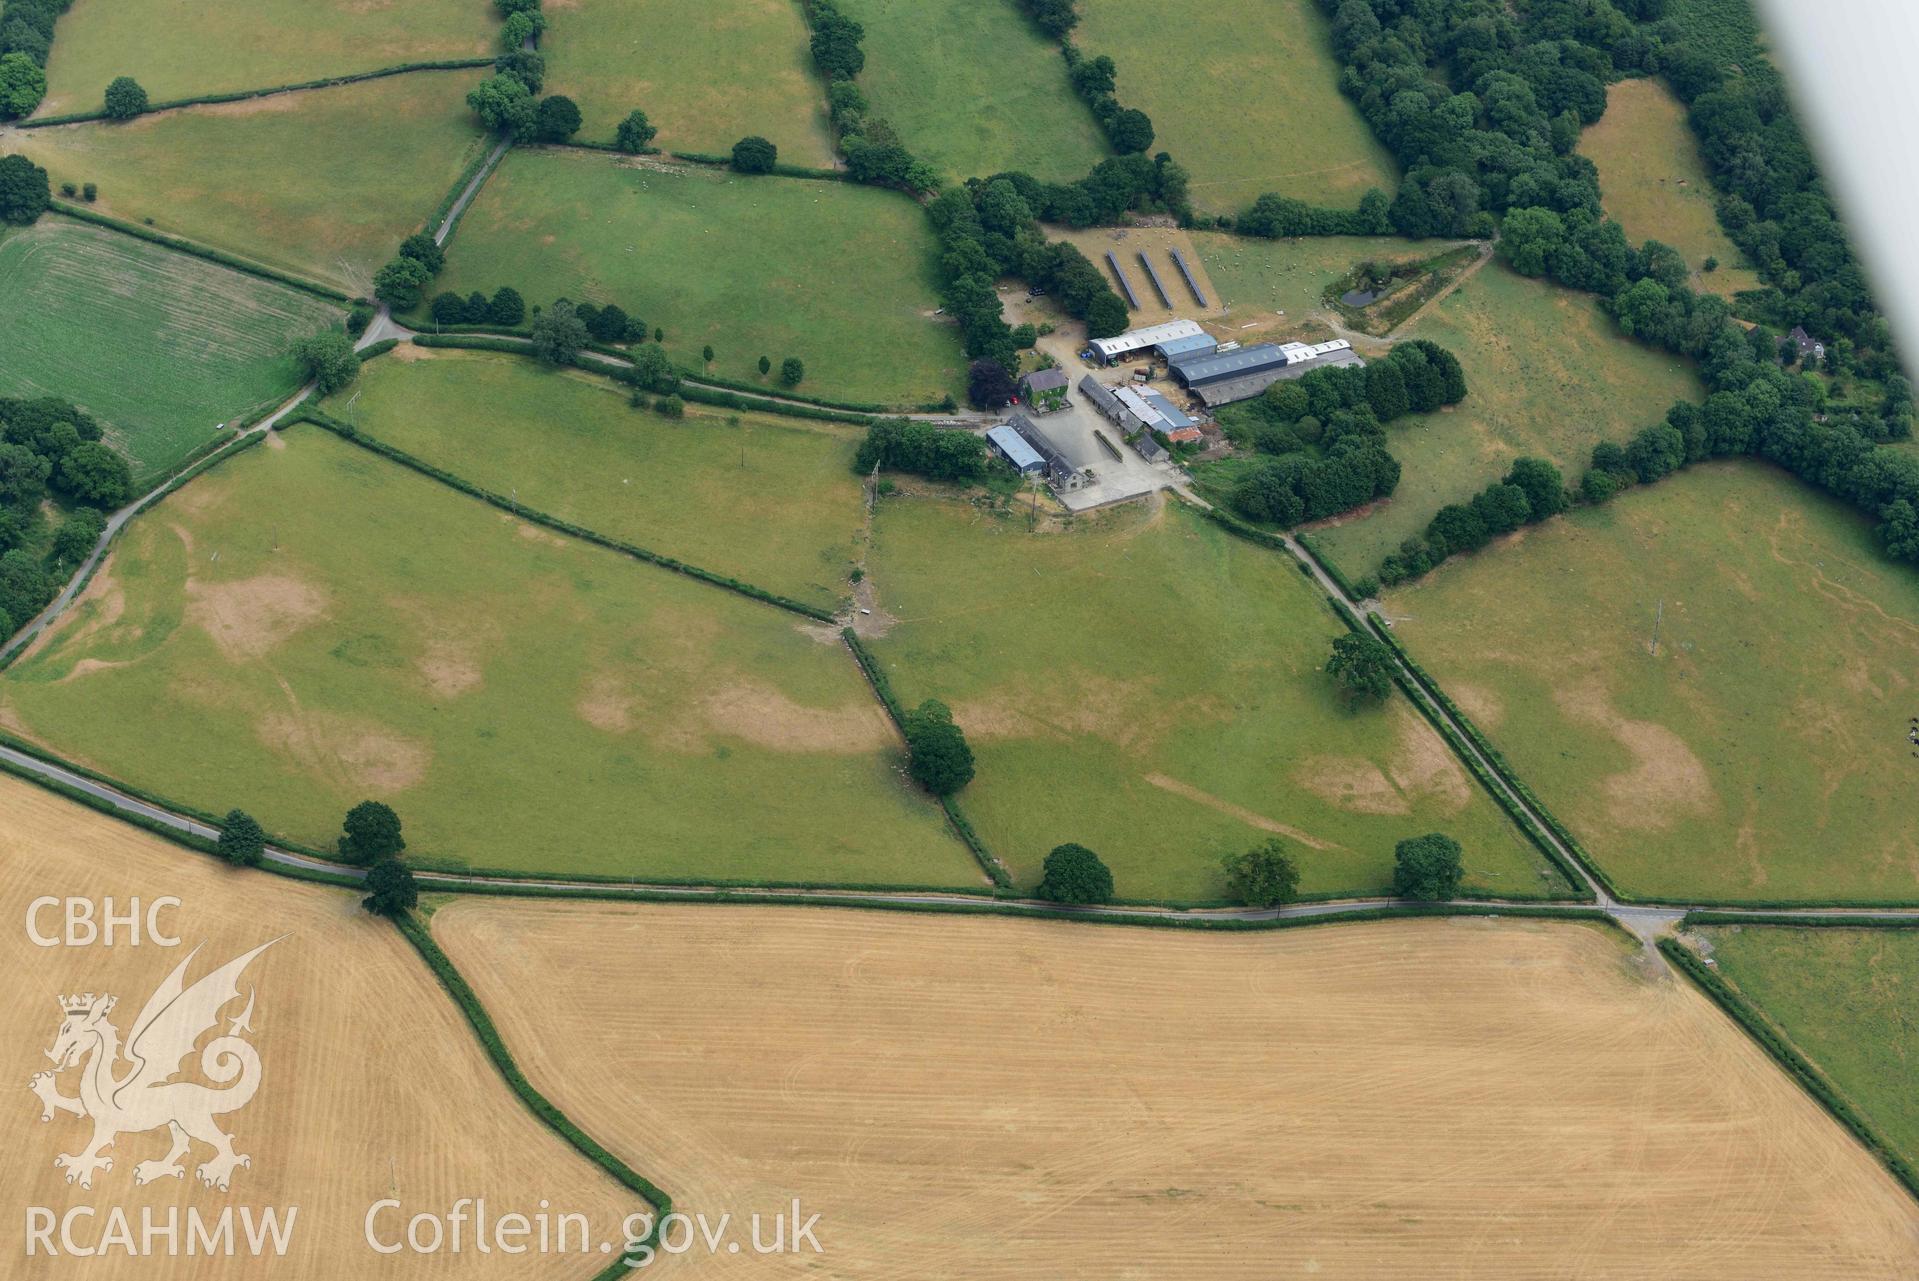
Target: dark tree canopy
(507, 307)
(557, 119)
(988, 385)
(939, 759)
(635, 133)
(904, 445)
(1428, 868)
(329, 359)
(754, 154)
(243, 841)
(125, 99)
(372, 833)
(392, 891)
(93, 474)
(1074, 874)
(559, 334)
(1264, 876)
(792, 371)
(1363, 667)
(25, 192)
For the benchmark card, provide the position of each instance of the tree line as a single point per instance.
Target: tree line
(49, 448)
(1322, 435)
(26, 37)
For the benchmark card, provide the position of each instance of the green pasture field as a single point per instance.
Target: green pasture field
(836, 274)
(1246, 96)
(161, 347)
(1547, 374)
(1848, 1000)
(178, 51)
(1290, 276)
(1149, 686)
(1761, 753)
(974, 88)
(771, 501)
(324, 183)
(310, 625)
(1653, 180)
(706, 72)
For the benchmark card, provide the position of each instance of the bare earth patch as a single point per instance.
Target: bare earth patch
(1667, 781)
(109, 603)
(250, 617)
(347, 751)
(1421, 766)
(1246, 816)
(766, 717)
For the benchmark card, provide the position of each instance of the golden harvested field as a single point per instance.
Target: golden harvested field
(1652, 179)
(372, 1084)
(987, 1098)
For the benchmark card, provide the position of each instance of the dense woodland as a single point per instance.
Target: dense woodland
(49, 450)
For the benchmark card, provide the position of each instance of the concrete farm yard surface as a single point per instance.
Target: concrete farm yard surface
(166, 336)
(1148, 685)
(1246, 96)
(1761, 753)
(1547, 374)
(772, 501)
(312, 183)
(372, 1084)
(220, 46)
(836, 274)
(706, 72)
(973, 87)
(320, 625)
(989, 1098)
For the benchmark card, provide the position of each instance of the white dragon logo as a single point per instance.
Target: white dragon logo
(144, 1097)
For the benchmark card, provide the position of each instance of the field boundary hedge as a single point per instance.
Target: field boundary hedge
(1790, 920)
(443, 212)
(714, 160)
(1489, 782)
(537, 1103)
(995, 870)
(1499, 763)
(217, 256)
(538, 517)
(1325, 563)
(1775, 1042)
(242, 95)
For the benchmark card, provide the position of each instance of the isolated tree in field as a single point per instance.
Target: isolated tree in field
(25, 192)
(1264, 876)
(93, 474)
(792, 371)
(329, 359)
(558, 119)
(22, 85)
(635, 133)
(507, 307)
(988, 385)
(392, 890)
(659, 335)
(939, 759)
(766, 365)
(558, 334)
(1362, 667)
(243, 842)
(754, 154)
(670, 407)
(1428, 867)
(125, 99)
(706, 356)
(400, 282)
(1074, 874)
(372, 833)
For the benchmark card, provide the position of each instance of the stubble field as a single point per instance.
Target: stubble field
(1001, 1099)
(160, 347)
(771, 501)
(372, 1084)
(1148, 686)
(1761, 753)
(308, 627)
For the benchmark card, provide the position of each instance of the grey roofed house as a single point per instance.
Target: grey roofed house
(1044, 380)
(1014, 449)
(1806, 343)
(1148, 448)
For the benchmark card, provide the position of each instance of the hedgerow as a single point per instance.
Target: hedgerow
(221, 257)
(242, 95)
